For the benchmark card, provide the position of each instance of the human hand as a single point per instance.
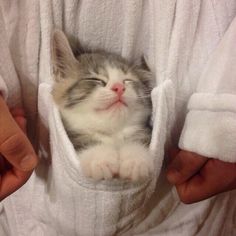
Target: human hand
(17, 157)
(197, 178)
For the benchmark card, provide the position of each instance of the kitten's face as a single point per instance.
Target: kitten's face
(104, 86)
(99, 85)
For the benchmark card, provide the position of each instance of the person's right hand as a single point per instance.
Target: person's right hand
(17, 156)
(197, 177)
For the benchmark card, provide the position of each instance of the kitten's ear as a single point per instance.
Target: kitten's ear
(146, 74)
(144, 64)
(63, 59)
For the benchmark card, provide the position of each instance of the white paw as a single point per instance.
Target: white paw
(136, 163)
(99, 162)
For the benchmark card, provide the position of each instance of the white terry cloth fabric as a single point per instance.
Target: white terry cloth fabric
(179, 38)
(19, 45)
(210, 126)
(7, 69)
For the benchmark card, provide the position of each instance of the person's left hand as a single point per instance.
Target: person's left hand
(197, 178)
(17, 156)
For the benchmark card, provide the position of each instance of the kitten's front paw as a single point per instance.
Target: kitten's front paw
(99, 162)
(136, 163)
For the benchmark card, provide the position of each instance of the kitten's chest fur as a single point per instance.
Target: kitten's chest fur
(117, 138)
(84, 138)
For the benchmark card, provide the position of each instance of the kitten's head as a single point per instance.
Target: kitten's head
(99, 88)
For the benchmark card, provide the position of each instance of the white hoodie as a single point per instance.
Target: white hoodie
(190, 47)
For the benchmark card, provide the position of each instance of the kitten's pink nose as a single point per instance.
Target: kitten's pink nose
(118, 88)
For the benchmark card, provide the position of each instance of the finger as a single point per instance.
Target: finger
(184, 166)
(19, 152)
(11, 181)
(19, 116)
(3, 166)
(215, 177)
(14, 145)
(21, 121)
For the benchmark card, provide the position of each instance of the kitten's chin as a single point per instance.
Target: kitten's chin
(112, 117)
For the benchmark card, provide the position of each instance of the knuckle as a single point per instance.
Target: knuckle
(185, 200)
(24, 176)
(14, 145)
(185, 197)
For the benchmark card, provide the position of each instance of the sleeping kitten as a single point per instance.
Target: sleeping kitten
(105, 106)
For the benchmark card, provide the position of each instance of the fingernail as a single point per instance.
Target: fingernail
(28, 162)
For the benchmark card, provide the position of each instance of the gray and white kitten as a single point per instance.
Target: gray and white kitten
(104, 102)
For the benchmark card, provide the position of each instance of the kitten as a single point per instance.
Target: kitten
(105, 106)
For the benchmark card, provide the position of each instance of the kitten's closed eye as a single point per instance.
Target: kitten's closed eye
(95, 81)
(129, 81)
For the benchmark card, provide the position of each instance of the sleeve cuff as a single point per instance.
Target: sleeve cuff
(212, 132)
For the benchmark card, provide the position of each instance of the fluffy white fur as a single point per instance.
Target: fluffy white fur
(135, 162)
(131, 161)
(100, 162)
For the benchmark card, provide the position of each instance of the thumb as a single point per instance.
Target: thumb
(184, 166)
(14, 145)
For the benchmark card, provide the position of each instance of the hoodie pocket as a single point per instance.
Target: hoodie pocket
(76, 205)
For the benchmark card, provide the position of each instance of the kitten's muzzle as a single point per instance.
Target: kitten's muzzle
(117, 103)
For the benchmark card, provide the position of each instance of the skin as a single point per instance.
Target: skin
(17, 156)
(197, 178)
